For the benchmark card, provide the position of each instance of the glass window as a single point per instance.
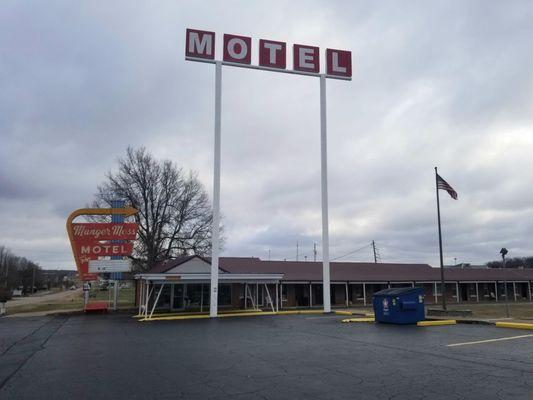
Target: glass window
(224, 295)
(178, 297)
(194, 295)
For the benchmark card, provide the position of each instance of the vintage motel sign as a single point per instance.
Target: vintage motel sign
(200, 46)
(237, 52)
(105, 231)
(90, 241)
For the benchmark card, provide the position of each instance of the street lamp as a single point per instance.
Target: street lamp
(503, 252)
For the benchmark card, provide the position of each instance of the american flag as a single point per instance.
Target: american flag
(442, 184)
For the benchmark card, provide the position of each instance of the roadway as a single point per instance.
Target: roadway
(268, 357)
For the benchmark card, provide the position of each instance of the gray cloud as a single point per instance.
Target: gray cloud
(438, 83)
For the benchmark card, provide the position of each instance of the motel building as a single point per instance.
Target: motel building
(183, 284)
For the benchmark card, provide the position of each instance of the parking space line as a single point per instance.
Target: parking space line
(489, 340)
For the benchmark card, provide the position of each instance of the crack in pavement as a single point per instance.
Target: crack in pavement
(20, 352)
(24, 337)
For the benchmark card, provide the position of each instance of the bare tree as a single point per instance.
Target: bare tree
(18, 271)
(513, 262)
(174, 210)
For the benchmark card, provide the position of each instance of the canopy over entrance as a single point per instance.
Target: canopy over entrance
(184, 284)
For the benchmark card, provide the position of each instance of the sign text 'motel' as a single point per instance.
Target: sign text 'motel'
(272, 54)
(237, 52)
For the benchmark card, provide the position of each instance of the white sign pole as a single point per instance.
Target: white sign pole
(215, 240)
(200, 47)
(324, 181)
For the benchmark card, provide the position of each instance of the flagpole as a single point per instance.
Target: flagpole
(442, 283)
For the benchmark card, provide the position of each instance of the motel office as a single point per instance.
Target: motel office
(250, 283)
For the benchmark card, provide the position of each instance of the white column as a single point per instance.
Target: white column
(213, 304)
(496, 290)
(347, 303)
(147, 299)
(310, 295)
(364, 294)
(140, 295)
(172, 286)
(477, 292)
(156, 299)
(277, 297)
(514, 290)
(457, 291)
(115, 295)
(435, 293)
(280, 295)
(201, 297)
(324, 181)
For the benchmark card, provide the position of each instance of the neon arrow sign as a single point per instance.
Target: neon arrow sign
(82, 236)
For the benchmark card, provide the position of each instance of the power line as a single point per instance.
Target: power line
(299, 255)
(352, 252)
(405, 250)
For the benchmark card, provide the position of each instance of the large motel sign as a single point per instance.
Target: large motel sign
(200, 46)
(94, 243)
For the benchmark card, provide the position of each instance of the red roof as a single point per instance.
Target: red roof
(164, 266)
(356, 271)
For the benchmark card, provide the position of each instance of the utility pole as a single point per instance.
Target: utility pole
(314, 252)
(374, 249)
(32, 278)
(7, 275)
(503, 252)
(296, 251)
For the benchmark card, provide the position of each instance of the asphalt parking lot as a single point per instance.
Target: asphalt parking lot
(268, 357)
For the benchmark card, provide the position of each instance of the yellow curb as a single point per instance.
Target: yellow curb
(228, 314)
(296, 312)
(195, 313)
(437, 323)
(368, 319)
(370, 314)
(203, 316)
(343, 313)
(515, 325)
(175, 317)
(252, 314)
(310, 311)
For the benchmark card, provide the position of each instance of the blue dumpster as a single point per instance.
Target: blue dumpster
(399, 305)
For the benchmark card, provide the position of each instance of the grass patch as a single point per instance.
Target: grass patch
(126, 297)
(75, 302)
(28, 308)
(520, 310)
(497, 310)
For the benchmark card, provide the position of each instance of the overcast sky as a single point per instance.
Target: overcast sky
(447, 84)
